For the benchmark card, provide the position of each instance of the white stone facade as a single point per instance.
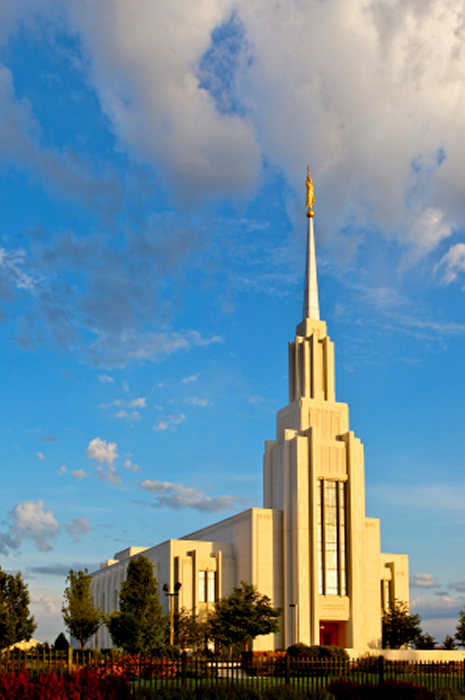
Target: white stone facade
(311, 548)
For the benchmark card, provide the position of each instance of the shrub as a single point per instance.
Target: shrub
(318, 651)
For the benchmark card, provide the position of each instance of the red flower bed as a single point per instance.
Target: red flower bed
(88, 683)
(132, 667)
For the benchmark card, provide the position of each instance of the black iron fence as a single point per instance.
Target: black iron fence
(259, 672)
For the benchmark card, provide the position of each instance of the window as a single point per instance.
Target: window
(207, 586)
(202, 587)
(332, 567)
(211, 587)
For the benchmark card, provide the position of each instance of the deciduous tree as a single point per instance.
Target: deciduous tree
(399, 626)
(81, 618)
(190, 630)
(460, 633)
(242, 616)
(15, 622)
(138, 625)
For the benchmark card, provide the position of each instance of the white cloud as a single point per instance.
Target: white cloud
(106, 378)
(102, 452)
(40, 456)
(169, 422)
(438, 606)
(46, 602)
(363, 105)
(79, 474)
(196, 401)
(144, 85)
(424, 581)
(137, 403)
(30, 521)
(62, 469)
(77, 528)
(130, 466)
(179, 496)
(130, 415)
(191, 378)
(452, 263)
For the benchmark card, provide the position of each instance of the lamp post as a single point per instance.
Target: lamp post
(166, 589)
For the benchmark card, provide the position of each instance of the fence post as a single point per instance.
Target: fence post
(381, 670)
(287, 669)
(70, 659)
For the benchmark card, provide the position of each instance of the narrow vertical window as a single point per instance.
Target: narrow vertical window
(321, 566)
(202, 587)
(331, 538)
(332, 557)
(211, 586)
(342, 539)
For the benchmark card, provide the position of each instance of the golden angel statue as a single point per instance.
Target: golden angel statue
(310, 194)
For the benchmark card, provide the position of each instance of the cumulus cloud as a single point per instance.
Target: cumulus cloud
(179, 496)
(424, 581)
(30, 521)
(137, 403)
(48, 438)
(40, 456)
(130, 466)
(62, 469)
(363, 106)
(169, 422)
(79, 474)
(104, 453)
(188, 90)
(77, 528)
(129, 415)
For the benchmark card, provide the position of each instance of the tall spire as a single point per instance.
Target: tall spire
(311, 305)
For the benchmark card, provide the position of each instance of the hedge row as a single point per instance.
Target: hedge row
(87, 683)
(338, 690)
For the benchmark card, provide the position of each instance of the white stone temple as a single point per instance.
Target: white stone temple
(311, 548)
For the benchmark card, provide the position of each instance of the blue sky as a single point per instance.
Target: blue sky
(152, 232)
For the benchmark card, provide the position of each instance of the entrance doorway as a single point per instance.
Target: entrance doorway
(333, 633)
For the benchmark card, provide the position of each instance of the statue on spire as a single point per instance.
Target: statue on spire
(310, 195)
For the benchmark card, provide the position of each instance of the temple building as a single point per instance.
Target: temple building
(311, 548)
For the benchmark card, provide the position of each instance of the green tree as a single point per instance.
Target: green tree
(190, 630)
(60, 643)
(15, 622)
(460, 633)
(448, 643)
(81, 618)
(138, 625)
(242, 616)
(399, 626)
(424, 641)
